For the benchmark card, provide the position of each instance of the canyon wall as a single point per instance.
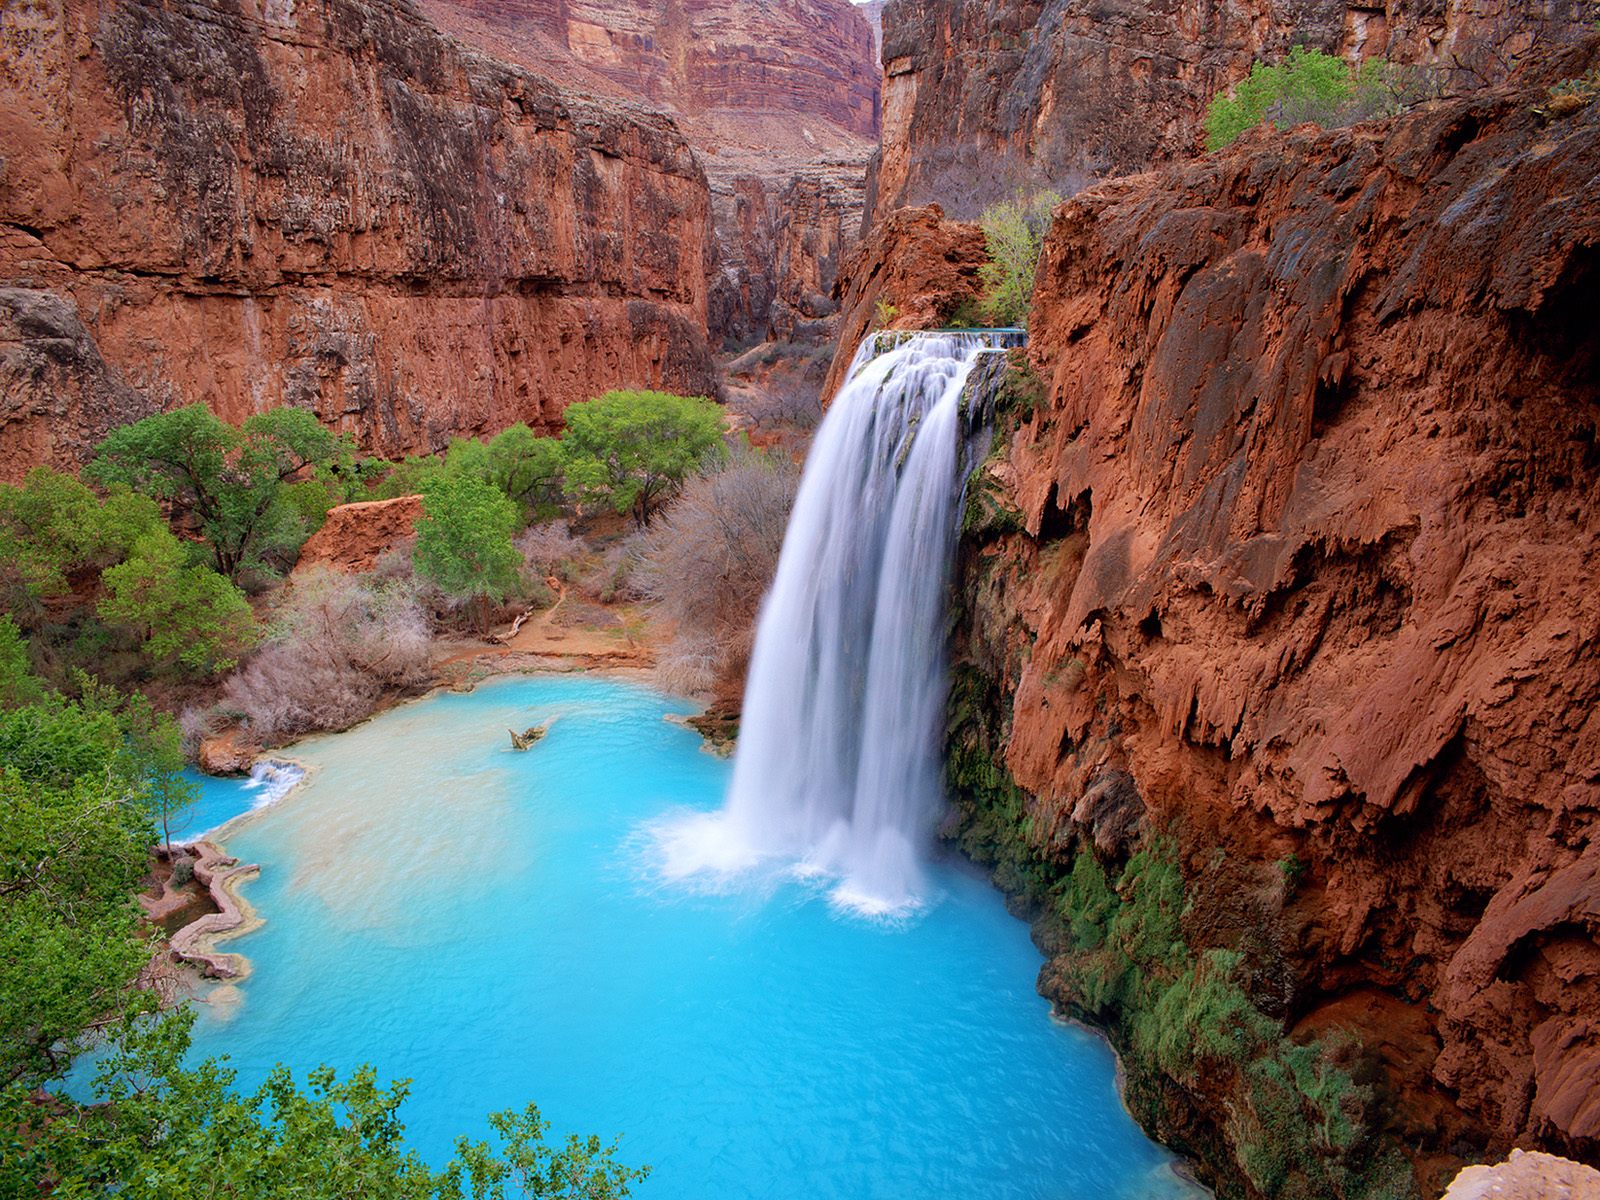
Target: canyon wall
(729, 68)
(1283, 572)
(250, 203)
(982, 97)
(781, 101)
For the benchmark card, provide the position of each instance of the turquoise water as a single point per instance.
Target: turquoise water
(218, 801)
(491, 924)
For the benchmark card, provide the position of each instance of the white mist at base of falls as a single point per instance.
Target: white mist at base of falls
(837, 773)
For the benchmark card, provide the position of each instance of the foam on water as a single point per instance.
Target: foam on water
(495, 926)
(219, 802)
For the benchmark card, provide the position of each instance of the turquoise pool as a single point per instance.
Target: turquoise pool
(493, 926)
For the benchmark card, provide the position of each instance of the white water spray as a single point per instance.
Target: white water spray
(838, 762)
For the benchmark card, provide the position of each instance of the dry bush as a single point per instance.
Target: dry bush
(612, 577)
(343, 641)
(710, 557)
(550, 548)
(688, 665)
(780, 384)
(195, 725)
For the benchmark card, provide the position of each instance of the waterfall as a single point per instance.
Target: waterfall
(838, 764)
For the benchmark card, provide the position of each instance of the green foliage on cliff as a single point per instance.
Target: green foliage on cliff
(1296, 1119)
(631, 450)
(1013, 233)
(1307, 86)
(229, 482)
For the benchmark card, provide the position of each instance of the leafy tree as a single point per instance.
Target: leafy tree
(190, 616)
(82, 785)
(18, 685)
(164, 1130)
(632, 450)
(52, 525)
(529, 469)
(1307, 86)
(231, 482)
(409, 477)
(464, 540)
(1013, 233)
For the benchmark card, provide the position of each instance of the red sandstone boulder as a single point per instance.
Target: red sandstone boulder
(355, 536)
(228, 753)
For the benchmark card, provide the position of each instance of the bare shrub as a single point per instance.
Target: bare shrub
(612, 577)
(779, 385)
(342, 642)
(688, 664)
(550, 548)
(195, 725)
(710, 558)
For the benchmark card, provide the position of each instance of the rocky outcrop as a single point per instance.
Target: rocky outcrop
(780, 242)
(1527, 1177)
(331, 206)
(982, 97)
(916, 271)
(1284, 563)
(355, 536)
(230, 752)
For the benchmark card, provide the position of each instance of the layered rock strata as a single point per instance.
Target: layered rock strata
(1283, 573)
(330, 206)
(781, 101)
(735, 71)
(982, 97)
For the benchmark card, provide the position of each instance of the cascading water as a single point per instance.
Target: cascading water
(838, 765)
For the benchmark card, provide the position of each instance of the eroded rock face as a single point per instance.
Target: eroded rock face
(781, 100)
(331, 206)
(726, 65)
(1307, 549)
(355, 536)
(984, 96)
(780, 242)
(913, 272)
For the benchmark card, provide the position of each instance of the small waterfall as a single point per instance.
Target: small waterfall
(838, 763)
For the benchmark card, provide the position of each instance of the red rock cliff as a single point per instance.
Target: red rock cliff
(1302, 571)
(983, 96)
(726, 66)
(781, 100)
(331, 206)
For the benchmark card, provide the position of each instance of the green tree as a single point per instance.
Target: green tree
(1307, 86)
(18, 684)
(52, 525)
(1013, 234)
(631, 450)
(529, 469)
(184, 615)
(230, 481)
(464, 540)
